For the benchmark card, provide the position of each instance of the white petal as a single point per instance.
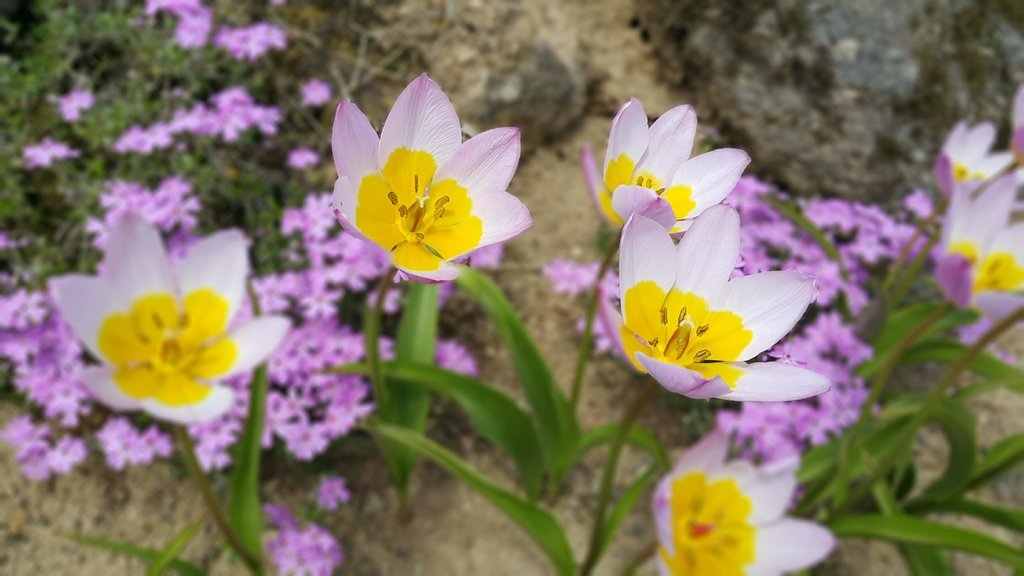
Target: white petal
(216, 403)
(1010, 240)
(344, 202)
(422, 119)
(994, 163)
(256, 341)
(670, 143)
(629, 200)
(219, 262)
(485, 162)
(100, 381)
(770, 304)
(593, 181)
(775, 382)
(679, 380)
(707, 254)
(629, 133)
(354, 143)
(979, 220)
(711, 176)
(998, 305)
(646, 252)
(956, 142)
(446, 272)
(707, 455)
(504, 216)
(979, 141)
(788, 545)
(136, 261)
(770, 493)
(84, 303)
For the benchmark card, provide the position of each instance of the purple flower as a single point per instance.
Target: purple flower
(570, 278)
(74, 103)
(332, 492)
(46, 153)
(252, 42)
(310, 551)
(194, 28)
(302, 158)
(316, 92)
(456, 357)
(919, 203)
(66, 454)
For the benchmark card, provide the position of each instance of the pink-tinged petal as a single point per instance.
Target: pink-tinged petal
(1017, 143)
(1010, 240)
(944, 174)
(953, 272)
(591, 177)
(994, 163)
(343, 203)
(956, 142)
(788, 545)
(979, 220)
(219, 262)
(998, 305)
(629, 200)
(84, 303)
(629, 133)
(504, 217)
(707, 254)
(679, 380)
(771, 492)
(422, 119)
(485, 162)
(670, 143)
(135, 260)
(711, 176)
(446, 272)
(255, 341)
(100, 382)
(216, 403)
(661, 506)
(354, 143)
(611, 322)
(770, 304)
(646, 252)
(707, 455)
(775, 382)
(978, 142)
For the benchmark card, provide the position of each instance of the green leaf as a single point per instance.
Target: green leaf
(818, 461)
(624, 506)
(902, 322)
(494, 415)
(637, 436)
(949, 351)
(911, 530)
(559, 430)
(175, 547)
(245, 515)
(1002, 456)
(925, 561)
(408, 403)
(1013, 383)
(1012, 519)
(127, 549)
(539, 524)
(958, 426)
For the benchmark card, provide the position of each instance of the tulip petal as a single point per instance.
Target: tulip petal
(788, 545)
(591, 178)
(504, 216)
(628, 137)
(769, 303)
(136, 261)
(994, 163)
(707, 454)
(354, 143)
(484, 163)
(979, 220)
(771, 491)
(421, 119)
(214, 405)
(1011, 240)
(998, 305)
(646, 253)
(953, 273)
(711, 177)
(219, 262)
(255, 341)
(100, 382)
(708, 252)
(670, 143)
(611, 322)
(775, 382)
(629, 200)
(1017, 142)
(675, 378)
(84, 303)
(955, 145)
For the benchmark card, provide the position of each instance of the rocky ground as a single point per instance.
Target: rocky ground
(559, 70)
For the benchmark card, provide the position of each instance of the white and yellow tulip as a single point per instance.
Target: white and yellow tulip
(166, 339)
(967, 155)
(648, 170)
(418, 191)
(727, 518)
(689, 326)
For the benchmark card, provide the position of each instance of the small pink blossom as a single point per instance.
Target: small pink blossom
(74, 103)
(46, 153)
(316, 92)
(302, 158)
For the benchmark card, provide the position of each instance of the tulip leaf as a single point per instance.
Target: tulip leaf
(245, 514)
(997, 515)
(175, 547)
(624, 506)
(1003, 455)
(637, 436)
(559, 430)
(925, 560)
(901, 323)
(539, 524)
(1012, 383)
(494, 415)
(911, 530)
(958, 426)
(131, 550)
(408, 404)
(985, 365)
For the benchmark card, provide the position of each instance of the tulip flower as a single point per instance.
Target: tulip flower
(418, 191)
(1017, 138)
(983, 254)
(648, 171)
(689, 326)
(165, 339)
(967, 155)
(718, 517)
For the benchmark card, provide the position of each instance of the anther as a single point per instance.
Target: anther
(682, 315)
(650, 182)
(659, 191)
(653, 342)
(442, 201)
(419, 236)
(393, 198)
(416, 183)
(403, 210)
(639, 180)
(702, 329)
(702, 355)
(157, 320)
(664, 315)
(438, 213)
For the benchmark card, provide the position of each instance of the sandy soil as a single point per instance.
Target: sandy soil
(453, 532)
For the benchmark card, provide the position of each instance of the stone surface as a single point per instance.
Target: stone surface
(846, 97)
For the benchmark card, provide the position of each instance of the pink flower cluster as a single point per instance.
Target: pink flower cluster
(195, 21)
(46, 153)
(249, 43)
(298, 550)
(74, 103)
(38, 457)
(332, 493)
(316, 92)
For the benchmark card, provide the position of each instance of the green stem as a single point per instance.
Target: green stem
(371, 332)
(933, 399)
(203, 483)
(913, 271)
(588, 328)
(897, 264)
(608, 478)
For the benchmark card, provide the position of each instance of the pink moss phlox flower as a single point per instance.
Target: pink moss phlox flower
(331, 493)
(74, 103)
(453, 356)
(251, 42)
(302, 158)
(194, 27)
(919, 203)
(571, 278)
(46, 152)
(298, 551)
(316, 92)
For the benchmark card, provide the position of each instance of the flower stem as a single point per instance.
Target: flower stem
(371, 332)
(586, 344)
(608, 478)
(203, 483)
(925, 224)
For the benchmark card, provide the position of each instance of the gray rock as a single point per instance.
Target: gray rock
(847, 97)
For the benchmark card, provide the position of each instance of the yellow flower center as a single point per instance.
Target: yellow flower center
(711, 529)
(998, 272)
(679, 327)
(420, 221)
(962, 173)
(167, 351)
(622, 172)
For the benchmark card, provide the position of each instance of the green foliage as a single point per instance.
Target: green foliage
(131, 550)
(174, 548)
